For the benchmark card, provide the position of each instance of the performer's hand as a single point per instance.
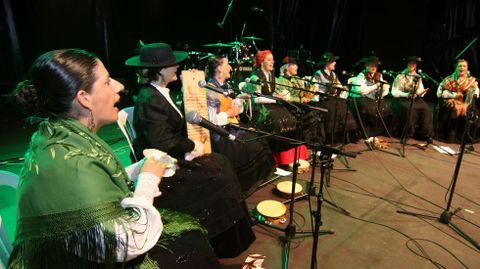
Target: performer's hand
(155, 166)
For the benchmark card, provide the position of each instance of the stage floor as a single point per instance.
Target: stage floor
(372, 234)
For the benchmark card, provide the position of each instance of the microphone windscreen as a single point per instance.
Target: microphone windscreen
(193, 117)
(202, 83)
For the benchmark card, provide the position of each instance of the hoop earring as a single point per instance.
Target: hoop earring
(91, 122)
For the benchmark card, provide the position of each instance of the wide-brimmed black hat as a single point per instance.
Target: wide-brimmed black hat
(156, 55)
(411, 59)
(289, 60)
(327, 57)
(369, 60)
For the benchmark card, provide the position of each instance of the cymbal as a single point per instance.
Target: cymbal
(235, 43)
(218, 45)
(251, 38)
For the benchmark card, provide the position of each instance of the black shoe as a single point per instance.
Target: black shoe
(429, 140)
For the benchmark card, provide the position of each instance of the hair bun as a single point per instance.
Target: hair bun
(25, 95)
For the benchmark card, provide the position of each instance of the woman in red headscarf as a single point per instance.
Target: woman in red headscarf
(270, 116)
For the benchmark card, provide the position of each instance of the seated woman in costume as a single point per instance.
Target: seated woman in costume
(456, 93)
(338, 120)
(286, 89)
(270, 115)
(369, 96)
(205, 186)
(408, 87)
(253, 161)
(77, 206)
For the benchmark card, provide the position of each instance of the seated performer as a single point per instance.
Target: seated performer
(368, 97)
(287, 82)
(270, 116)
(77, 206)
(408, 87)
(253, 161)
(338, 119)
(455, 92)
(207, 187)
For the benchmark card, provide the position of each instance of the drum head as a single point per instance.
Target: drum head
(286, 187)
(271, 209)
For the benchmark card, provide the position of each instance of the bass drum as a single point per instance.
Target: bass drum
(241, 71)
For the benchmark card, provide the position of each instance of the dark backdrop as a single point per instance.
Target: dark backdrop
(437, 30)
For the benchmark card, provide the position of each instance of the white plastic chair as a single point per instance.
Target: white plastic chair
(6, 179)
(125, 123)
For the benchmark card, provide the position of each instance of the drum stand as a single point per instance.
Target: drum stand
(446, 216)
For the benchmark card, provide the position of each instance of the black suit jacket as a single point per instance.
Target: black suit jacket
(158, 125)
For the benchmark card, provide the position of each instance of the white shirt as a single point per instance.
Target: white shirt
(166, 93)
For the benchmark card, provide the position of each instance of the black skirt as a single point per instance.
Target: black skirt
(252, 161)
(208, 189)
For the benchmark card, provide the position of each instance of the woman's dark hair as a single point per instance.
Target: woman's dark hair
(55, 79)
(212, 64)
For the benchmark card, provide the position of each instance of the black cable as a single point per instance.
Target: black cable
(437, 244)
(380, 197)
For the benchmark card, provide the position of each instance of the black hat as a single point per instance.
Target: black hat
(327, 57)
(156, 55)
(369, 60)
(410, 59)
(289, 60)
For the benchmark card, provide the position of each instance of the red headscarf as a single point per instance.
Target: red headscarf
(260, 57)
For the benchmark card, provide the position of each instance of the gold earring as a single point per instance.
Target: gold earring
(91, 122)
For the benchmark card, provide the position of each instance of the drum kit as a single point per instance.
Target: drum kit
(239, 53)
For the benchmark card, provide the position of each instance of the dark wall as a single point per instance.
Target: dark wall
(435, 30)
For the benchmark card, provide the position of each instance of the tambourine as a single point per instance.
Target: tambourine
(284, 189)
(303, 166)
(270, 212)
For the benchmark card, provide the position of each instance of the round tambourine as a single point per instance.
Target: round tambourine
(284, 189)
(270, 212)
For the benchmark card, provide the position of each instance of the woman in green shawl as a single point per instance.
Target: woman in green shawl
(77, 206)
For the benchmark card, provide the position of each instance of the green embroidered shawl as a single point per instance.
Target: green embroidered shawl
(69, 198)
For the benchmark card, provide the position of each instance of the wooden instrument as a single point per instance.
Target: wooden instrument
(270, 212)
(195, 99)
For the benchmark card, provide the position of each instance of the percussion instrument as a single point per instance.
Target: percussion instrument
(217, 45)
(270, 212)
(196, 60)
(284, 189)
(251, 38)
(303, 167)
(195, 99)
(235, 43)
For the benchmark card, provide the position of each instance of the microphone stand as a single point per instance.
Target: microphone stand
(378, 97)
(446, 216)
(403, 136)
(221, 24)
(437, 84)
(290, 230)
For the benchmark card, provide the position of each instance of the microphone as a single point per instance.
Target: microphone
(254, 81)
(347, 73)
(389, 73)
(311, 62)
(193, 117)
(256, 10)
(225, 92)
